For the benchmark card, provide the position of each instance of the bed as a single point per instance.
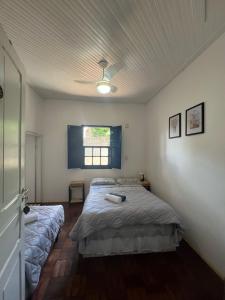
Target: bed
(141, 224)
(39, 237)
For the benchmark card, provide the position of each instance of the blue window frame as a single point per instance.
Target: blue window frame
(92, 152)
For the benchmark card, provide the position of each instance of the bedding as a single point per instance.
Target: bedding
(39, 237)
(141, 208)
(30, 217)
(130, 240)
(128, 180)
(103, 181)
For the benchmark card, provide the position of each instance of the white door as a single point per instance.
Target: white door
(11, 228)
(30, 167)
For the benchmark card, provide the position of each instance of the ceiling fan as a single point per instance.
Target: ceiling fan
(103, 85)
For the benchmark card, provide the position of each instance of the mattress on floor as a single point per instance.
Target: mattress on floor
(39, 237)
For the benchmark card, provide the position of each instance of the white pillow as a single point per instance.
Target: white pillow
(103, 181)
(128, 180)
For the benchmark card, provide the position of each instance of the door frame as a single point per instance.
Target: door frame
(38, 163)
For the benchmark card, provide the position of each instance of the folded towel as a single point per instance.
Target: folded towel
(115, 198)
(29, 218)
(123, 197)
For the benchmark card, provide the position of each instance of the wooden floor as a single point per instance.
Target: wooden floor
(170, 276)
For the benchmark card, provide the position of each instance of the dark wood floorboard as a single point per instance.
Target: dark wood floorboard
(180, 275)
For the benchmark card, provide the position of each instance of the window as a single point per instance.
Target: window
(94, 147)
(96, 143)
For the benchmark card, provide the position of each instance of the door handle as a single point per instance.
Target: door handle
(26, 209)
(1, 93)
(24, 193)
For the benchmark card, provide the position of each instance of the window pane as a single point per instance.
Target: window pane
(96, 136)
(104, 161)
(88, 161)
(96, 151)
(104, 152)
(88, 152)
(96, 161)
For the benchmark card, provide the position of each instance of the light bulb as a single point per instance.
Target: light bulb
(103, 87)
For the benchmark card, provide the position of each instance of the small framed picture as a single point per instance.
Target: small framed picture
(195, 119)
(175, 126)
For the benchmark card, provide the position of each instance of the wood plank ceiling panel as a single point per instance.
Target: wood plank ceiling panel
(60, 41)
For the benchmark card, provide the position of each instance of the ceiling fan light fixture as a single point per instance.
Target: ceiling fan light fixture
(103, 87)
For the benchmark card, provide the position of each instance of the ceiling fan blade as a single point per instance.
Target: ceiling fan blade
(112, 70)
(113, 88)
(84, 82)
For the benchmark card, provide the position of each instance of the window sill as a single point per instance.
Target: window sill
(96, 167)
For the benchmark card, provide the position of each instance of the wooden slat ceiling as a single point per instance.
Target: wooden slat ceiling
(59, 41)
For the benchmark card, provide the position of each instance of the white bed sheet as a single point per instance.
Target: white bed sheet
(130, 240)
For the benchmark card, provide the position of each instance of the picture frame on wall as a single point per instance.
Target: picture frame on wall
(194, 123)
(175, 126)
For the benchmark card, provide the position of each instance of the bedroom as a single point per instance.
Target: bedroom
(163, 59)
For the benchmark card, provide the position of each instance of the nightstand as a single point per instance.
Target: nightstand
(146, 184)
(76, 184)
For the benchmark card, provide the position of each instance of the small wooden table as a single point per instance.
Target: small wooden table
(146, 184)
(76, 184)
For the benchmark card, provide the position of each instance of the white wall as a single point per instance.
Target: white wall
(33, 123)
(33, 111)
(60, 113)
(189, 172)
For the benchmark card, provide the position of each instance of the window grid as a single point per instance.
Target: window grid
(97, 160)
